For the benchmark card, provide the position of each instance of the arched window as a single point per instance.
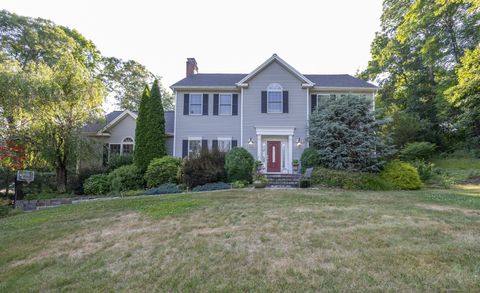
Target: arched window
(274, 98)
(127, 146)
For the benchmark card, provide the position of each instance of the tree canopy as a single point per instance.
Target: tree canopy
(416, 59)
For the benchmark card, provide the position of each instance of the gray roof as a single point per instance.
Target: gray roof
(230, 79)
(96, 126)
(211, 79)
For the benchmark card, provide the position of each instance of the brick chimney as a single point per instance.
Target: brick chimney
(192, 67)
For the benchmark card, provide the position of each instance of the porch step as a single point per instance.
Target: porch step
(283, 180)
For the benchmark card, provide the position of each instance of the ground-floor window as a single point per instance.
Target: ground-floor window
(115, 148)
(224, 144)
(194, 146)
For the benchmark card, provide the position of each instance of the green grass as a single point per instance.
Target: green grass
(249, 240)
(458, 170)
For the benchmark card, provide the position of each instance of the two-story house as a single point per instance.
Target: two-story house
(265, 111)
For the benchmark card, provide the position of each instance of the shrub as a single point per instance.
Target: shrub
(206, 167)
(5, 208)
(310, 158)
(346, 134)
(401, 175)
(162, 170)
(126, 177)
(239, 165)
(239, 184)
(77, 184)
(425, 169)
(97, 184)
(348, 180)
(212, 186)
(305, 183)
(417, 151)
(166, 188)
(116, 161)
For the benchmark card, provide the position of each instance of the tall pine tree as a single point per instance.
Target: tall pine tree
(150, 129)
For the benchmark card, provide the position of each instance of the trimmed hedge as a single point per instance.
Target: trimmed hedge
(239, 164)
(401, 175)
(212, 186)
(98, 184)
(348, 180)
(127, 177)
(166, 188)
(162, 170)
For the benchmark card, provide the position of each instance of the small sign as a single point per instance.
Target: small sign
(24, 175)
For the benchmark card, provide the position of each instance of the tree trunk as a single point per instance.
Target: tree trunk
(61, 177)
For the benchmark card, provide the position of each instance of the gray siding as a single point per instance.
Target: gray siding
(296, 116)
(208, 127)
(124, 128)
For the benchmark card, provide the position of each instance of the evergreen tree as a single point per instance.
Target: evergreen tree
(345, 134)
(150, 128)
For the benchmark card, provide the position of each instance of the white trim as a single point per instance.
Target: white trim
(220, 103)
(289, 160)
(275, 130)
(190, 104)
(175, 124)
(270, 90)
(132, 142)
(241, 117)
(368, 89)
(309, 106)
(116, 120)
(229, 139)
(195, 138)
(224, 138)
(274, 57)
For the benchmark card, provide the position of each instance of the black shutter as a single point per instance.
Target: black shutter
(235, 104)
(205, 104)
(285, 101)
(214, 144)
(185, 148)
(313, 102)
(215, 104)
(234, 143)
(264, 102)
(204, 144)
(186, 104)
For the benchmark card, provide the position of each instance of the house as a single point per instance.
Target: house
(116, 135)
(265, 111)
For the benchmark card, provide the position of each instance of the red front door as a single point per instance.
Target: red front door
(274, 156)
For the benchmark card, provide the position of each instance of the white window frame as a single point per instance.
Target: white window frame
(220, 103)
(190, 104)
(193, 139)
(110, 149)
(274, 88)
(132, 143)
(219, 139)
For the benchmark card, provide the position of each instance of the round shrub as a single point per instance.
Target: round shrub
(117, 160)
(239, 165)
(310, 158)
(126, 177)
(97, 184)
(417, 151)
(401, 175)
(162, 170)
(206, 167)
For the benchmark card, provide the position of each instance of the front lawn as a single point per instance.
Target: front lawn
(249, 240)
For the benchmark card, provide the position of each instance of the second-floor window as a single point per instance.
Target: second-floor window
(274, 98)
(196, 104)
(225, 105)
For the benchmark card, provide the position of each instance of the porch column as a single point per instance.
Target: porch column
(290, 154)
(259, 148)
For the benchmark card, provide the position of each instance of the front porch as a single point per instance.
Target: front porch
(275, 149)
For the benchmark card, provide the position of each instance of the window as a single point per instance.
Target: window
(274, 98)
(224, 144)
(114, 149)
(225, 107)
(321, 99)
(127, 146)
(194, 146)
(196, 104)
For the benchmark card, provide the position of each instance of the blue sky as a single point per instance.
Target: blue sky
(224, 36)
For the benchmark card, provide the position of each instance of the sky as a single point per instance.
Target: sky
(315, 37)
